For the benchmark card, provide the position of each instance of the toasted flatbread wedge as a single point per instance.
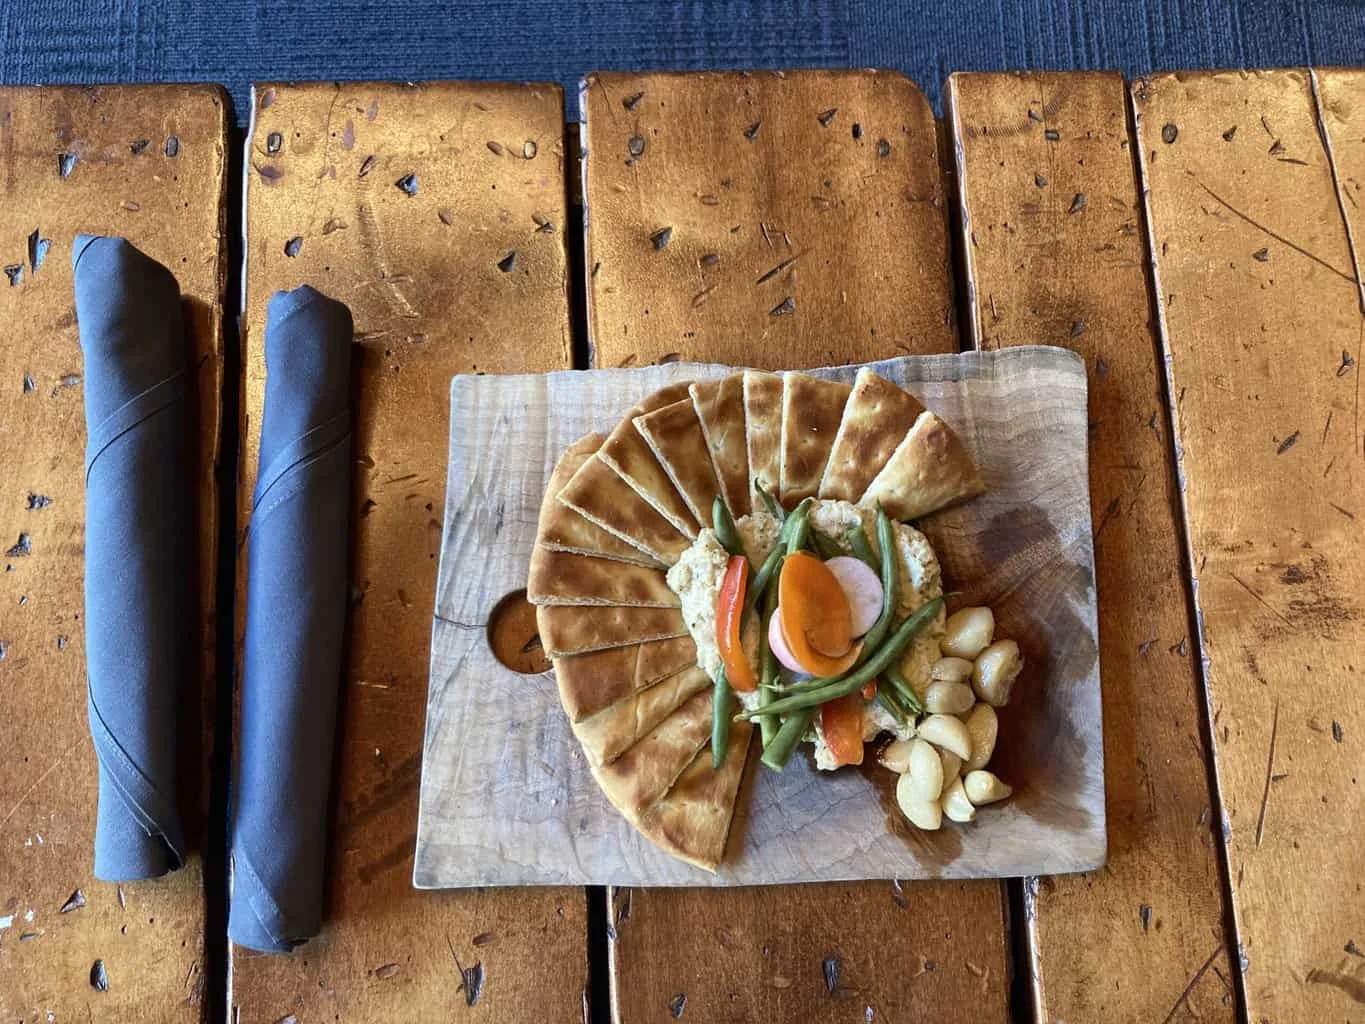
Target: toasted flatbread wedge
(577, 629)
(628, 453)
(563, 529)
(674, 435)
(589, 683)
(692, 821)
(929, 470)
(641, 776)
(763, 430)
(608, 734)
(601, 496)
(877, 417)
(560, 578)
(811, 411)
(720, 408)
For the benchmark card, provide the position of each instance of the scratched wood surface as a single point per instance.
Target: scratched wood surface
(1256, 231)
(1054, 253)
(436, 212)
(804, 953)
(794, 219)
(148, 163)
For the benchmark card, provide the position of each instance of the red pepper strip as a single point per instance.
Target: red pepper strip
(729, 613)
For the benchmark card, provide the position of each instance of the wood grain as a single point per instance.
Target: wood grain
(760, 953)
(1253, 203)
(769, 219)
(1054, 253)
(148, 163)
(436, 212)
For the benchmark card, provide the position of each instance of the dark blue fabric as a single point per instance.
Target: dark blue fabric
(238, 41)
(139, 561)
(295, 620)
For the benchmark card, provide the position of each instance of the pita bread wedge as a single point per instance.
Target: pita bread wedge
(811, 412)
(608, 734)
(763, 429)
(562, 529)
(674, 435)
(692, 821)
(628, 453)
(720, 408)
(643, 774)
(601, 496)
(560, 578)
(929, 470)
(589, 683)
(577, 629)
(877, 417)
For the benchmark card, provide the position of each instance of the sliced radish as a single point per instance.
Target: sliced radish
(863, 588)
(778, 643)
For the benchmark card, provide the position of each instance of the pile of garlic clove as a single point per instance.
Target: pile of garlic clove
(942, 767)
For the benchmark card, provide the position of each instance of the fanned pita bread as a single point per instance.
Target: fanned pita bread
(608, 734)
(563, 529)
(877, 417)
(560, 578)
(720, 408)
(627, 452)
(763, 430)
(692, 821)
(589, 683)
(675, 437)
(929, 470)
(598, 494)
(641, 776)
(811, 411)
(578, 629)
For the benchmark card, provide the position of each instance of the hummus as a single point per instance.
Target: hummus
(697, 577)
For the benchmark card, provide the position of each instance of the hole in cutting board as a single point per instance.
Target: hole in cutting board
(513, 636)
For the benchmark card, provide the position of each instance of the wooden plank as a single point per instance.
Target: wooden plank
(436, 212)
(767, 219)
(878, 237)
(148, 163)
(1054, 254)
(1263, 318)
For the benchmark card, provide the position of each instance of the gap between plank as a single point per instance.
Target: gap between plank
(1190, 581)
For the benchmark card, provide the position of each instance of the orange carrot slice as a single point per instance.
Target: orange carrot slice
(816, 619)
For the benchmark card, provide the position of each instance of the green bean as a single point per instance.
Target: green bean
(824, 546)
(888, 702)
(724, 525)
(774, 509)
(886, 537)
(796, 530)
(767, 661)
(862, 547)
(778, 751)
(767, 574)
(904, 690)
(720, 720)
(840, 686)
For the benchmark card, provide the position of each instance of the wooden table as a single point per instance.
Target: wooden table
(1197, 238)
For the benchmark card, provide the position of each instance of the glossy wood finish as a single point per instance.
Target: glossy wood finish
(148, 163)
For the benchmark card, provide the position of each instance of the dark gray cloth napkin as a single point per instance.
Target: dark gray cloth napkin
(296, 600)
(139, 553)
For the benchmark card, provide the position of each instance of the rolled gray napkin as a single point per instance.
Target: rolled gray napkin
(296, 599)
(139, 553)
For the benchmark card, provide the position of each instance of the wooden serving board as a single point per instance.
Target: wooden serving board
(506, 795)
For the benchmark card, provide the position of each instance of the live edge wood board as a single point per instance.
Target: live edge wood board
(436, 212)
(775, 220)
(148, 163)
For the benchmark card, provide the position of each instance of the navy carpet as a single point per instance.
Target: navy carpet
(238, 41)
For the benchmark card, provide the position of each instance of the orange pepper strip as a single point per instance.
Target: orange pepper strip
(841, 720)
(729, 612)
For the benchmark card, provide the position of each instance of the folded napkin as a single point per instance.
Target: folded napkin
(139, 553)
(295, 617)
